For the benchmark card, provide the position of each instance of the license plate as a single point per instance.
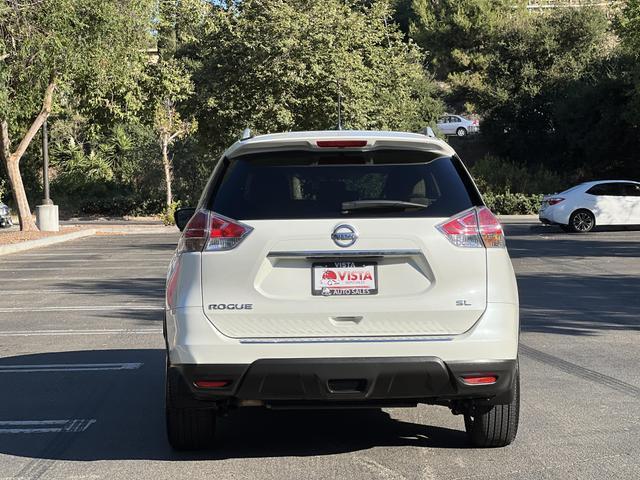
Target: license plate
(344, 278)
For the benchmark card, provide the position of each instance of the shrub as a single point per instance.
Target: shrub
(508, 203)
(167, 214)
(500, 175)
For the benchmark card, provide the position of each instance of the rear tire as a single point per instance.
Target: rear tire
(497, 427)
(187, 428)
(582, 221)
(461, 132)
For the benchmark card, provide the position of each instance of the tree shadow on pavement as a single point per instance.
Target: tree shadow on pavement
(536, 247)
(579, 304)
(127, 404)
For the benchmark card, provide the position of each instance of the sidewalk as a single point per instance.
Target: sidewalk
(12, 240)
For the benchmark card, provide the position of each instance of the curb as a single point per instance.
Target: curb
(44, 242)
(519, 219)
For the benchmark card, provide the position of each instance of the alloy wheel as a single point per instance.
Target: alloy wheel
(582, 222)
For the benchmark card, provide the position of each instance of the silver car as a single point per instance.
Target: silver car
(457, 125)
(5, 216)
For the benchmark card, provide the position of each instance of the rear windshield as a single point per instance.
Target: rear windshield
(303, 184)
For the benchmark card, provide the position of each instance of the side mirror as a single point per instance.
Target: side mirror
(182, 217)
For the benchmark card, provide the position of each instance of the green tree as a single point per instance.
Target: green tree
(456, 33)
(54, 53)
(629, 26)
(534, 63)
(171, 84)
(277, 65)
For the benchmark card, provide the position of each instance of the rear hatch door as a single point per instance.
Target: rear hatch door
(299, 274)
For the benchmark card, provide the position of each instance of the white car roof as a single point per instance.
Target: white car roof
(307, 141)
(596, 182)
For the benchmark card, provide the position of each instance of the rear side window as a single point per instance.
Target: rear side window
(608, 189)
(632, 189)
(303, 184)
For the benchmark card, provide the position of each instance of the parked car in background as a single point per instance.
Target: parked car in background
(581, 208)
(5, 216)
(457, 125)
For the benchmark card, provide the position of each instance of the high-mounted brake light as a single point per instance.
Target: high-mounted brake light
(555, 201)
(209, 231)
(474, 228)
(341, 143)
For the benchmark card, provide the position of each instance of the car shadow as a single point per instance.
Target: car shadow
(117, 399)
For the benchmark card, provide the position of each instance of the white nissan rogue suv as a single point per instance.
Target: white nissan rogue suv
(341, 269)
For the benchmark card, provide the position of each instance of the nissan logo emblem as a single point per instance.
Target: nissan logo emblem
(344, 235)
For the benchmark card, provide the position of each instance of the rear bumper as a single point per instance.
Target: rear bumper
(192, 339)
(383, 381)
(554, 215)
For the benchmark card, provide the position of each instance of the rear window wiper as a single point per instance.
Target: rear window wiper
(380, 205)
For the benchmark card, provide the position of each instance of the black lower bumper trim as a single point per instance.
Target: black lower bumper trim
(349, 380)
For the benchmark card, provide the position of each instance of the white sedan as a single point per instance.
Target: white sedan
(581, 208)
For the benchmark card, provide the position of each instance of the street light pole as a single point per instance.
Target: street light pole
(47, 217)
(45, 167)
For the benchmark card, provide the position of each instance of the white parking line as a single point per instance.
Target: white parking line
(77, 260)
(69, 279)
(72, 291)
(53, 333)
(68, 367)
(83, 308)
(90, 253)
(73, 425)
(93, 268)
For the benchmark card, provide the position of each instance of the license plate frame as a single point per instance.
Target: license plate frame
(344, 287)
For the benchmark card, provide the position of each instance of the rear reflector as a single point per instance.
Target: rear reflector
(485, 380)
(212, 383)
(341, 143)
(474, 228)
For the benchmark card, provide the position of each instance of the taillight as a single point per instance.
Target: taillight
(195, 234)
(474, 228)
(209, 231)
(555, 201)
(462, 230)
(490, 229)
(225, 234)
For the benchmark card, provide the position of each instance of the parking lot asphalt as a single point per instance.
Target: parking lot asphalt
(82, 367)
